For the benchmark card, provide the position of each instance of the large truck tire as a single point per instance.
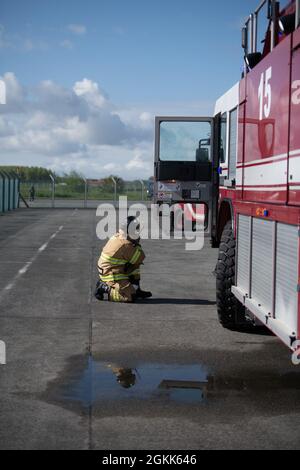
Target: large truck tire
(231, 312)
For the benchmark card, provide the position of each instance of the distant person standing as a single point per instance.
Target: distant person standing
(32, 193)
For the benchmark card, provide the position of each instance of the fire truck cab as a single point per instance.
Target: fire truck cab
(244, 165)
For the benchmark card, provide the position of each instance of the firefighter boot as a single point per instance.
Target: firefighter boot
(101, 289)
(142, 294)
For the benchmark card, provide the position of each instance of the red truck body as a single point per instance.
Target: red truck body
(246, 172)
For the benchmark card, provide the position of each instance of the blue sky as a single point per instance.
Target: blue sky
(134, 58)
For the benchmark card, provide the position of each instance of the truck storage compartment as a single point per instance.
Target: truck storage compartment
(267, 273)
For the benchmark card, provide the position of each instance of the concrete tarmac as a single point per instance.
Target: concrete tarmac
(159, 374)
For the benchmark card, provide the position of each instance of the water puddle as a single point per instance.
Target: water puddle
(105, 382)
(111, 387)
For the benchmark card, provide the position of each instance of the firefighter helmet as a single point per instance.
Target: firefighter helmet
(132, 228)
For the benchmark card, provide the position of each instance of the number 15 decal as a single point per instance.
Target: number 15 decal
(265, 94)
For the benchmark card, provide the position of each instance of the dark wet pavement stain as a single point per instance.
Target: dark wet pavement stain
(101, 382)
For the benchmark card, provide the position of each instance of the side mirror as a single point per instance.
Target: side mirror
(253, 59)
(202, 155)
(245, 38)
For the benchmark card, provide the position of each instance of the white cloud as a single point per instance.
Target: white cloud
(137, 162)
(80, 128)
(6, 127)
(66, 44)
(146, 117)
(78, 29)
(110, 167)
(91, 93)
(85, 87)
(67, 129)
(29, 45)
(17, 42)
(15, 95)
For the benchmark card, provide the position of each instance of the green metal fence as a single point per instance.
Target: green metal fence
(9, 191)
(79, 194)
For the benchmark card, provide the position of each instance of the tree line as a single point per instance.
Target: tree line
(73, 180)
(30, 174)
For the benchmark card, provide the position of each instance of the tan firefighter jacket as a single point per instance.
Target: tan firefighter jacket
(119, 259)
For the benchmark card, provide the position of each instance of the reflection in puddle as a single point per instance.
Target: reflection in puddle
(101, 381)
(87, 382)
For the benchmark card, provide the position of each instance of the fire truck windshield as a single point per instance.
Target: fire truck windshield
(185, 141)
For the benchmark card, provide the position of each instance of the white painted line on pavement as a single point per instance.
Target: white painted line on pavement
(24, 269)
(29, 263)
(43, 247)
(9, 286)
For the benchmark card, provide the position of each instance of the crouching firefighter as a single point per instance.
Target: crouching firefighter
(119, 266)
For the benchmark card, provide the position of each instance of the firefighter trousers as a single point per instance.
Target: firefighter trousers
(122, 291)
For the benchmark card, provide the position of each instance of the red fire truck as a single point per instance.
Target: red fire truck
(244, 165)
